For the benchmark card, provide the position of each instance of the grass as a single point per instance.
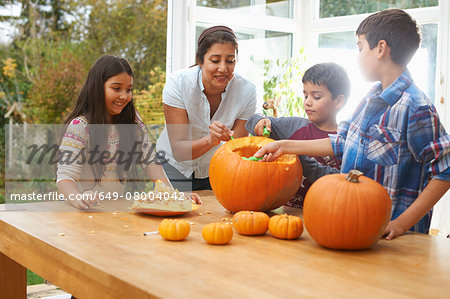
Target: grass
(33, 278)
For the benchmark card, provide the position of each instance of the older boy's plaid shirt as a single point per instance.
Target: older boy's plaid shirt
(395, 137)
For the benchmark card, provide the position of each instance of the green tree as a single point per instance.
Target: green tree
(333, 8)
(149, 101)
(38, 29)
(50, 100)
(43, 18)
(135, 30)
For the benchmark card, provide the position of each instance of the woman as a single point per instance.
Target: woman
(203, 106)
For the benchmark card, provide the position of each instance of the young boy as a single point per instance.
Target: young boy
(326, 87)
(394, 136)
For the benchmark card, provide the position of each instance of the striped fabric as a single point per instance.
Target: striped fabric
(395, 137)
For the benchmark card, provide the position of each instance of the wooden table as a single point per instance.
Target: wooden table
(107, 256)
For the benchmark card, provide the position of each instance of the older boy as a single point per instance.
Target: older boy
(326, 87)
(394, 136)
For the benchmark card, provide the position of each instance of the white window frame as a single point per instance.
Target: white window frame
(184, 15)
(439, 15)
(443, 61)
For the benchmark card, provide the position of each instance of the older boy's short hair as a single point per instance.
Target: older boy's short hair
(397, 28)
(330, 74)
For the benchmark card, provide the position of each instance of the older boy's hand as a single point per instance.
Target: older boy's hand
(394, 229)
(270, 152)
(259, 128)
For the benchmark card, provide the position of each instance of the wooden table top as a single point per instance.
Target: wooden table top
(107, 255)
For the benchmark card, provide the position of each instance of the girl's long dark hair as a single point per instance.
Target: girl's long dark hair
(91, 104)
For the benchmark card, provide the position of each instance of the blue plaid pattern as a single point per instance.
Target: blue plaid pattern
(395, 137)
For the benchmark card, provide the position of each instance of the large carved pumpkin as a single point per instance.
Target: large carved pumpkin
(245, 185)
(346, 211)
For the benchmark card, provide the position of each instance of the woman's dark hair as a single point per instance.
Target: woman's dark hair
(91, 104)
(211, 36)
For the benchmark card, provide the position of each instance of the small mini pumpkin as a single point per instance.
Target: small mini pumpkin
(218, 233)
(174, 229)
(251, 223)
(286, 226)
(351, 214)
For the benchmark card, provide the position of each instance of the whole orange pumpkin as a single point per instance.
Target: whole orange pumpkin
(218, 233)
(244, 185)
(174, 229)
(251, 223)
(346, 211)
(286, 226)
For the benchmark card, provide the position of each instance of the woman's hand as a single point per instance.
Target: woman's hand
(259, 128)
(220, 132)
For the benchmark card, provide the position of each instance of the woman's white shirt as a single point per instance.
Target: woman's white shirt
(184, 89)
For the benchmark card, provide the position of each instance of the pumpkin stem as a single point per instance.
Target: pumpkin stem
(353, 176)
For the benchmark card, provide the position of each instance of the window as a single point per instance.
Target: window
(270, 45)
(273, 30)
(267, 26)
(340, 47)
(334, 29)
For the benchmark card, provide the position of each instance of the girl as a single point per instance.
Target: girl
(104, 137)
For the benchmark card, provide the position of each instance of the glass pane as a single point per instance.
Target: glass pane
(340, 47)
(423, 64)
(276, 8)
(341, 40)
(332, 8)
(270, 45)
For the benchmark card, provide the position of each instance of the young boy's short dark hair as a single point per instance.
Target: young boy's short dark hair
(330, 74)
(397, 28)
